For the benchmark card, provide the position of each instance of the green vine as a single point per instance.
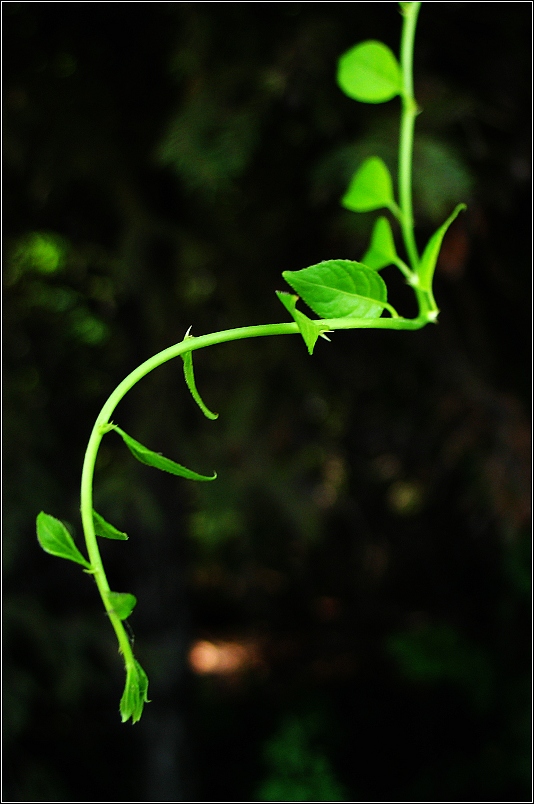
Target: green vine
(344, 294)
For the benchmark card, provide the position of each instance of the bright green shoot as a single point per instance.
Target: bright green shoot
(344, 294)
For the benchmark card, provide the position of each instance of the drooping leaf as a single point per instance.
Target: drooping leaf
(146, 456)
(340, 288)
(370, 188)
(427, 263)
(123, 603)
(382, 250)
(143, 683)
(369, 72)
(135, 692)
(55, 539)
(189, 375)
(310, 330)
(104, 529)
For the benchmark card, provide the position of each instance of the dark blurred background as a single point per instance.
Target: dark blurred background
(345, 613)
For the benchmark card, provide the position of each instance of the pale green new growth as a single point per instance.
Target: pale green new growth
(369, 72)
(345, 294)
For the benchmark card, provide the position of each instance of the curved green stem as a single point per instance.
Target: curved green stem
(136, 680)
(101, 426)
(410, 12)
(427, 313)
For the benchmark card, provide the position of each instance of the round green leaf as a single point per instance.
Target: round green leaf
(369, 72)
(371, 187)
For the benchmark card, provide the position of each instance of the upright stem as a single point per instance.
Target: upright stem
(410, 12)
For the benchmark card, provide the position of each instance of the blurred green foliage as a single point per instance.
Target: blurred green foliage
(298, 770)
(439, 653)
(41, 252)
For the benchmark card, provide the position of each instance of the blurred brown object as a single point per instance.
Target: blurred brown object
(454, 251)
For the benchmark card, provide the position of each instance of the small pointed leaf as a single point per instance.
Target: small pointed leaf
(55, 539)
(340, 288)
(146, 456)
(187, 357)
(310, 330)
(369, 72)
(135, 692)
(382, 251)
(427, 263)
(370, 188)
(123, 603)
(104, 529)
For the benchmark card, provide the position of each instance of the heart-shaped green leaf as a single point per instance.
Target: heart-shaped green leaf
(104, 529)
(427, 263)
(369, 72)
(382, 251)
(150, 458)
(370, 188)
(55, 539)
(310, 330)
(123, 603)
(340, 288)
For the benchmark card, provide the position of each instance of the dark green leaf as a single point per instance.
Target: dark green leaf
(55, 539)
(150, 458)
(369, 72)
(427, 263)
(370, 188)
(104, 529)
(382, 251)
(340, 289)
(123, 603)
(187, 357)
(310, 330)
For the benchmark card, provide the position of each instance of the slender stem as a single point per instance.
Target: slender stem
(410, 12)
(103, 419)
(97, 568)
(102, 425)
